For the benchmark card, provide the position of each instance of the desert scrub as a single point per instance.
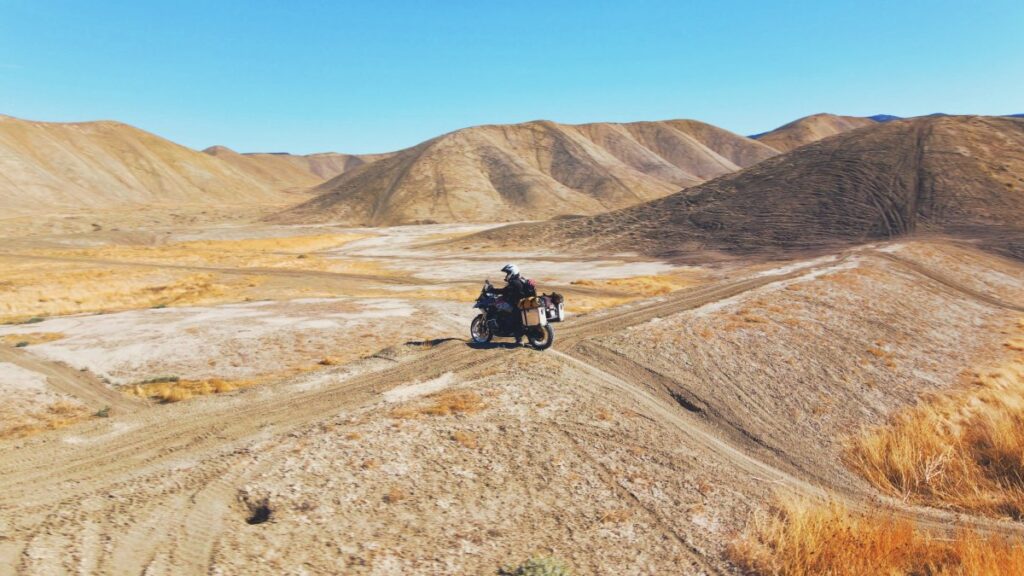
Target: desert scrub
(540, 566)
(173, 389)
(961, 449)
(805, 538)
(444, 404)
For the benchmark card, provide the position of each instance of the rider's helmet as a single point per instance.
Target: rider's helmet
(510, 270)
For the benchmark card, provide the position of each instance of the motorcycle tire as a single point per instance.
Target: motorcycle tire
(479, 331)
(541, 338)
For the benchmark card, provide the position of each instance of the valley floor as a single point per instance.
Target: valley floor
(333, 419)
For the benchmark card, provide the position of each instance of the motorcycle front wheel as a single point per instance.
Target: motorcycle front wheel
(479, 332)
(541, 338)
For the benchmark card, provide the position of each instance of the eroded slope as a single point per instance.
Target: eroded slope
(961, 175)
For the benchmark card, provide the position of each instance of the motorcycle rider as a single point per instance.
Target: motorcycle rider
(515, 290)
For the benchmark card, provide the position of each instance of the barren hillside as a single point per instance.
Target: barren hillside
(291, 171)
(957, 174)
(810, 129)
(50, 166)
(530, 171)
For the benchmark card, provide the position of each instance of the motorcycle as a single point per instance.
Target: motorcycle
(497, 318)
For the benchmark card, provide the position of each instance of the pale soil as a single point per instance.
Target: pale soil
(640, 443)
(28, 401)
(238, 341)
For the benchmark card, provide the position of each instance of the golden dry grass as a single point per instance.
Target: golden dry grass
(616, 516)
(962, 449)
(465, 439)
(41, 288)
(240, 253)
(443, 404)
(58, 415)
(395, 494)
(646, 286)
(179, 390)
(30, 338)
(802, 538)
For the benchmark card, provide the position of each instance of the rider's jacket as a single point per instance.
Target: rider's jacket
(514, 291)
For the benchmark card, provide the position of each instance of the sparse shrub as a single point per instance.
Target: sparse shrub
(21, 344)
(465, 439)
(103, 412)
(395, 494)
(539, 566)
(616, 516)
(34, 320)
(444, 404)
(159, 379)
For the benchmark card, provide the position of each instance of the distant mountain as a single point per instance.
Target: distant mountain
(1016, 115)
(810, 129)
(529, 171)
(955, 175)
(290, 171)
(885, 117)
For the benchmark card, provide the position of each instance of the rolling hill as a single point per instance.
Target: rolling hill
(953, 174)
(529, 171)
(291, 171)
(50, 166)
(810, 129)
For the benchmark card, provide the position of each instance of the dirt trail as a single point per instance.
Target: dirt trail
(949, 282)
(78, 384)
(209, 443)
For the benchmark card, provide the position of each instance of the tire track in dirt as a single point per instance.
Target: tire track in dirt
(948, 281)
(215, 426)
(39, 476)
(75, 383)
(796, 482)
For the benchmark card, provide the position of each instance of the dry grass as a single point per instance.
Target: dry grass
(241, 253)
(58, 415)
(178, 390)
(443, 404)
(616, 516)
(465, 439)
(395, 494)
(646, 286)
(30, 338)
(962, 449)
(799, 538)
(40, 288)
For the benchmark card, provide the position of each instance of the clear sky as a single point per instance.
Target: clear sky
(305, 76)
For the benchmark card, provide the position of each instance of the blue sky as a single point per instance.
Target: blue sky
(306, 76)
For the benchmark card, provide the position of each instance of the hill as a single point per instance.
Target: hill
(529, 171)
(953, 174)
(291, 171)
(810, 129)
(50, 166)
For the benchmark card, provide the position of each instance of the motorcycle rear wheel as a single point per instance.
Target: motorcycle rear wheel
(541, 338)
(479, 332)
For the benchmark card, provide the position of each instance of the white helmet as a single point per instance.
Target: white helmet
(510, 270)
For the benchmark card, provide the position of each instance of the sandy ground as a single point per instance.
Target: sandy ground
(640, 444)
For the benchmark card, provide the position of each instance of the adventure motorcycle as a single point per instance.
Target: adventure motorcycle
(498, 318)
